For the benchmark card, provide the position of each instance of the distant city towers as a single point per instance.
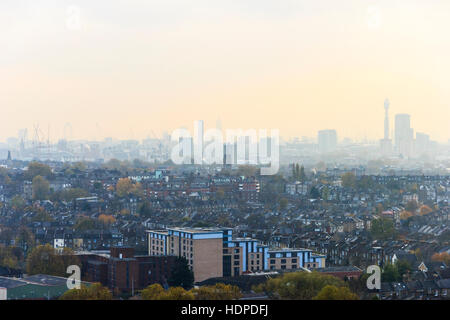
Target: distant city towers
(404, 135)
(386, 119)
(327, 140)
(386, 143)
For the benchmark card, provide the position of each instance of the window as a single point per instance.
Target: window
(283, 267)
(283, 260)
(236, 257)
(294, 260)
(272, 261)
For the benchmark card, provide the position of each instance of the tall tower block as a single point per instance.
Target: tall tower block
(386, 119)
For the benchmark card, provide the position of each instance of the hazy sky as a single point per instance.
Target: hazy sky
(122, 68)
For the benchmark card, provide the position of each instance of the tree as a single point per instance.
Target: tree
(349, 180)
(41, 188)
(18, 203)
(314, 193)
(156, 292)
(181, 274)
(42, 216)
(405, 215)
(395, 272)
(382, 228)
(325, 193)
(424, 210)
(302, 175)
(152, 292)
(403, 267)
(8, 257)
(219, 291)
(125, 187)
(412, 206)
(247, 171)
(441, 257)
(44, 259)
(25, 239)
(37, 169)
(298, 285)
(330, 292)
(145, 209)
(177, 293)
(220, 194)
(283, 203)
(85, 223)
(106, 220)
(93, 292)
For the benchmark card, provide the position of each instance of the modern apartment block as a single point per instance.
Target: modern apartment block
(202, 248)
(289, 259)
(215, 253)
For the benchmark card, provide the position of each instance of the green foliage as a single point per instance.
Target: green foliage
(247, 171)
(18, 203)
(156, 292)
(298, 285)
(45, 259)
(390, 274)
(382, 228)
(93, 292)
(41, 188)
(330, 292)
(37, 169)
(219, 291)
(314, 193)
(85, 224)
(412, 206)
(283, 203)
(10, 257)
(395, 272)
(349, 180)
(145, 209)
(298, 173)
(42, 216)
(25, 239)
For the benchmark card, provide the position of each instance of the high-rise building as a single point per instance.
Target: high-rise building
(404, 135)
(422, 143)
(327, 140)
(198, 141)
(386, 143)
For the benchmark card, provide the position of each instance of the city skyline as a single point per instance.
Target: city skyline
(157, 66)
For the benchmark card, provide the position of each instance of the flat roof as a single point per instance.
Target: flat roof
(288, 250)
(10, 283)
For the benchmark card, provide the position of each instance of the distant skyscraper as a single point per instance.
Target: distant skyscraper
(404, 135)
(385, 143)
(198, 141)
(422, 143)
(386, 119)
(327, 140)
